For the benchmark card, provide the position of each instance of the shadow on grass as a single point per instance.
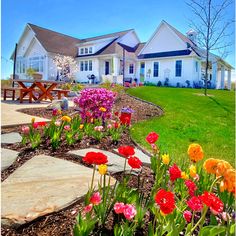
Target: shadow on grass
(219, 104)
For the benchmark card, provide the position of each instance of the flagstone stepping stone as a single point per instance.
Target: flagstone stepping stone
(11, 138)
(7, 158)
(115, 162)
(141, 155)
(43, 185)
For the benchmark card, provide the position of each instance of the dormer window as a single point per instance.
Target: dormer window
(85, 50)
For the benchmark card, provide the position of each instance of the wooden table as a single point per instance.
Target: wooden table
(45, 87)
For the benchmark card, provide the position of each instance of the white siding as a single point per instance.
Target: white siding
(164, 40)
(167, 69)
(129, 39)
(82, 76)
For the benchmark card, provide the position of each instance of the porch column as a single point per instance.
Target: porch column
(214, 74)
(115, 66)
(222, 82)
(229, 80)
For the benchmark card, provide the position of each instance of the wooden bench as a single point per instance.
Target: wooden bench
(13, 92)
(60, 92)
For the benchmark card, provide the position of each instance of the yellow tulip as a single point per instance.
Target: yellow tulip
(184, 175)
(103, 109)
(102, 169)
(165, 159)
(81, 126)
(33, 120)
(193, 171)
(66, 118)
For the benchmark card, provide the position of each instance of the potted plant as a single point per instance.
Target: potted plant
(30, 72)
(126, 113)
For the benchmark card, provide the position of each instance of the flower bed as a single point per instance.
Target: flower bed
(191, 199)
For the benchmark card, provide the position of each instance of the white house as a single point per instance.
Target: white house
(167, 56)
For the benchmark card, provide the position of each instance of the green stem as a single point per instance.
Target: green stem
(206, 208)
(125, 164)
(91, 187)
(192, 223)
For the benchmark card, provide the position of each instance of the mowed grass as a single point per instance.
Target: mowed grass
(189, 117)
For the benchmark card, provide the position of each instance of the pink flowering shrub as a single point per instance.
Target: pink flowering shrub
(95, 103)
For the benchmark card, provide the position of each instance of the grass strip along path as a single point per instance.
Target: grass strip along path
(189, 117)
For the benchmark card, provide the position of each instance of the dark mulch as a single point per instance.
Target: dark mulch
(142, 110)
(61, 223)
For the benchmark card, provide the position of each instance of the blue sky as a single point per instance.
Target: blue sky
(90, 18)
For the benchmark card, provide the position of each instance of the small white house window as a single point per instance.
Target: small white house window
(178, 68)
(86, 51)
(90, 65)
(131, 68)
(86, 65)
(90, 50)
(155, 69)
(81, 51)
(196, 66)
(81, 66)
(20, 65)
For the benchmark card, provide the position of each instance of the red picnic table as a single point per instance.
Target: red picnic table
(45, 87)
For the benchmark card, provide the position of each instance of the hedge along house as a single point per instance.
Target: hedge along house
(168, 55)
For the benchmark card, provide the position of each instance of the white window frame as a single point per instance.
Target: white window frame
(132, 68)
(81, 65)
(81, 51)
(90, 65)
(39, 60)
(86, 66)
(158, 72)
(181, 68)
(90, 50)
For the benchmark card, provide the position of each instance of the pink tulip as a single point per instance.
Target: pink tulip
(67, 127)
(129, 211)
(25, 129)
(109, 126)
(96, 199)
(187, 216)
(119, 207)
(54, 112)
(57, 123)
(98, 128)
(88, 208)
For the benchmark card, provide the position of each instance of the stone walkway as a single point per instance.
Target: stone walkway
(47, 184)
(43, 185)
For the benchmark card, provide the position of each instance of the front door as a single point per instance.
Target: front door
(142, 71)
(107, 68)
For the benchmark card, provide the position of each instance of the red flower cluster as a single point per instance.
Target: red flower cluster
(134, 162)
(191, 187)
(152, 137)
(126, 151)
(195, 203)
(96, 158)
(212, 201)
(165, 200)
(174, 172)
(40, 123)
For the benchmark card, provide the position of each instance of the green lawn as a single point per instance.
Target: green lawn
(189, 118)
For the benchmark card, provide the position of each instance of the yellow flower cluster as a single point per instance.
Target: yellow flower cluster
(66, 118)
(224, 169)
(195, 152)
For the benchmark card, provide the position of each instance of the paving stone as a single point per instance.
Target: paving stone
(141, 155)
(11, 138)
(7, 157)
(43, 185)
(115, 162)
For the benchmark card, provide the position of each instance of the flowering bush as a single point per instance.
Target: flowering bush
(195, 198)
(95, 103)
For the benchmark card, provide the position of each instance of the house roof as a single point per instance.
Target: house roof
(139, 48)
(165, 54)
(55, 42)
(111, 35)
(180, 35)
